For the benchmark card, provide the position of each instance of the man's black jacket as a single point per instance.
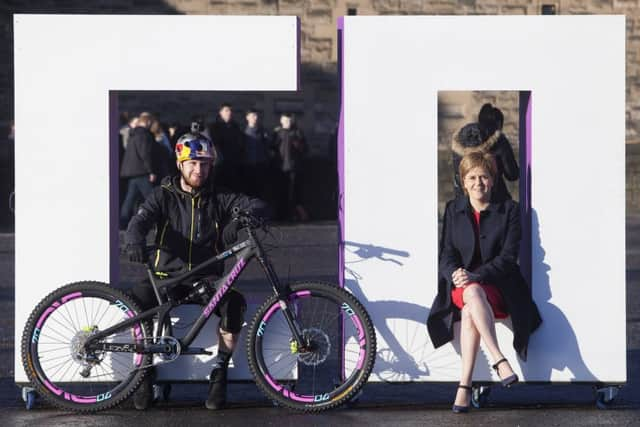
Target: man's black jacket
(138, 159)
(189, 226)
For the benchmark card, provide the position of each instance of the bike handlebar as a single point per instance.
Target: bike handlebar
(246, 218)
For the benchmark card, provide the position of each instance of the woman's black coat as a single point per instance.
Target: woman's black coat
(499, 246)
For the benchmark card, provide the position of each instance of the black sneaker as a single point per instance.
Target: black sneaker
(143, 396)
(217, 389)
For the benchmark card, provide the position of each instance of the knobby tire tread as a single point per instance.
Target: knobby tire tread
(26, 341)
(340, 294)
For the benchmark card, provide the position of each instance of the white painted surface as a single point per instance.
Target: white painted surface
(65, 66)
(574, 66)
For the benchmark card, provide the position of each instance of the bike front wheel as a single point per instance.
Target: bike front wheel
(337, 355)
(54, 355)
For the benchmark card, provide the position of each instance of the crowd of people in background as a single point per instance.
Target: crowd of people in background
(251, 159)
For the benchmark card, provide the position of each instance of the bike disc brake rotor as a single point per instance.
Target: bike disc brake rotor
(319, 347)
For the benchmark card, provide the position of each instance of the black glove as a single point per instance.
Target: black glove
(230, 233)
(136, 253)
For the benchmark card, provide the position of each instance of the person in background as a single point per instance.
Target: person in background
(162, 150)
(172, 131)
(228, 139)
(138, 167)
(486, 137)
(491, 121)
(255, 164)
(289, 148)
(160, 136)
(479, 276)
(125, 129)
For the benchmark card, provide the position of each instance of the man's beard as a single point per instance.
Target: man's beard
(193, 183)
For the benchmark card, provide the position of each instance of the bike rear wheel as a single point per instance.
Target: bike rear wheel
(53, 352)
(337, 360)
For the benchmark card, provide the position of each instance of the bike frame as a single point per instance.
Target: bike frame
(245, 252)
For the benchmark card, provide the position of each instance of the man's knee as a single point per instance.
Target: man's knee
(232, 313)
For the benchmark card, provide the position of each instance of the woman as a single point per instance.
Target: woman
(480, 279)
(486, 136)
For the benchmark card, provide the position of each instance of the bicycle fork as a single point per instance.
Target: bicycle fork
(283, 292)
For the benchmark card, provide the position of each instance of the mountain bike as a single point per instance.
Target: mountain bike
(311, 346)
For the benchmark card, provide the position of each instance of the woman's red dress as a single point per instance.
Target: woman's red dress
(493, 294)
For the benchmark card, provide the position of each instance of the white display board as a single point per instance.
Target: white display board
(574, 66)
(67, 68)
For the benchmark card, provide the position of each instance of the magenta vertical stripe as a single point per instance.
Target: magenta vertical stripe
(340, 150)
(528, 143)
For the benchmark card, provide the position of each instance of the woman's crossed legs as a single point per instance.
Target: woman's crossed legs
(477, 322)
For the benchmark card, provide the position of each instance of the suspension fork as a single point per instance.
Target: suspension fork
(282, 292)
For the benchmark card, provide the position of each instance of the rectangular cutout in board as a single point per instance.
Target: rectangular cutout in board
(68, 84)
(393, 69)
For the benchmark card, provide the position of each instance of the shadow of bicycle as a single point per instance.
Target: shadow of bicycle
(404, 352)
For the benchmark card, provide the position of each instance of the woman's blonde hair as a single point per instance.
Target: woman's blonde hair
(477, 159)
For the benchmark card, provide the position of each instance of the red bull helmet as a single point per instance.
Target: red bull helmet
(191, 146)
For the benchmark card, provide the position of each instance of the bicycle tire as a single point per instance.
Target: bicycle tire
(60, 315)
(337, 333)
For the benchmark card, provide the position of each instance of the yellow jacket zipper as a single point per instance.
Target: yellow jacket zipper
(164, 229)
(193, 211)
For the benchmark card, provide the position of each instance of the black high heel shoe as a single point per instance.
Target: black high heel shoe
(510, 380)
(459, 409)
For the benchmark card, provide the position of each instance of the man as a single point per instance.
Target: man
(290, 148)
(138, 167)
(229, 140)
(188, 212)
(256, 157)
(125, 129)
